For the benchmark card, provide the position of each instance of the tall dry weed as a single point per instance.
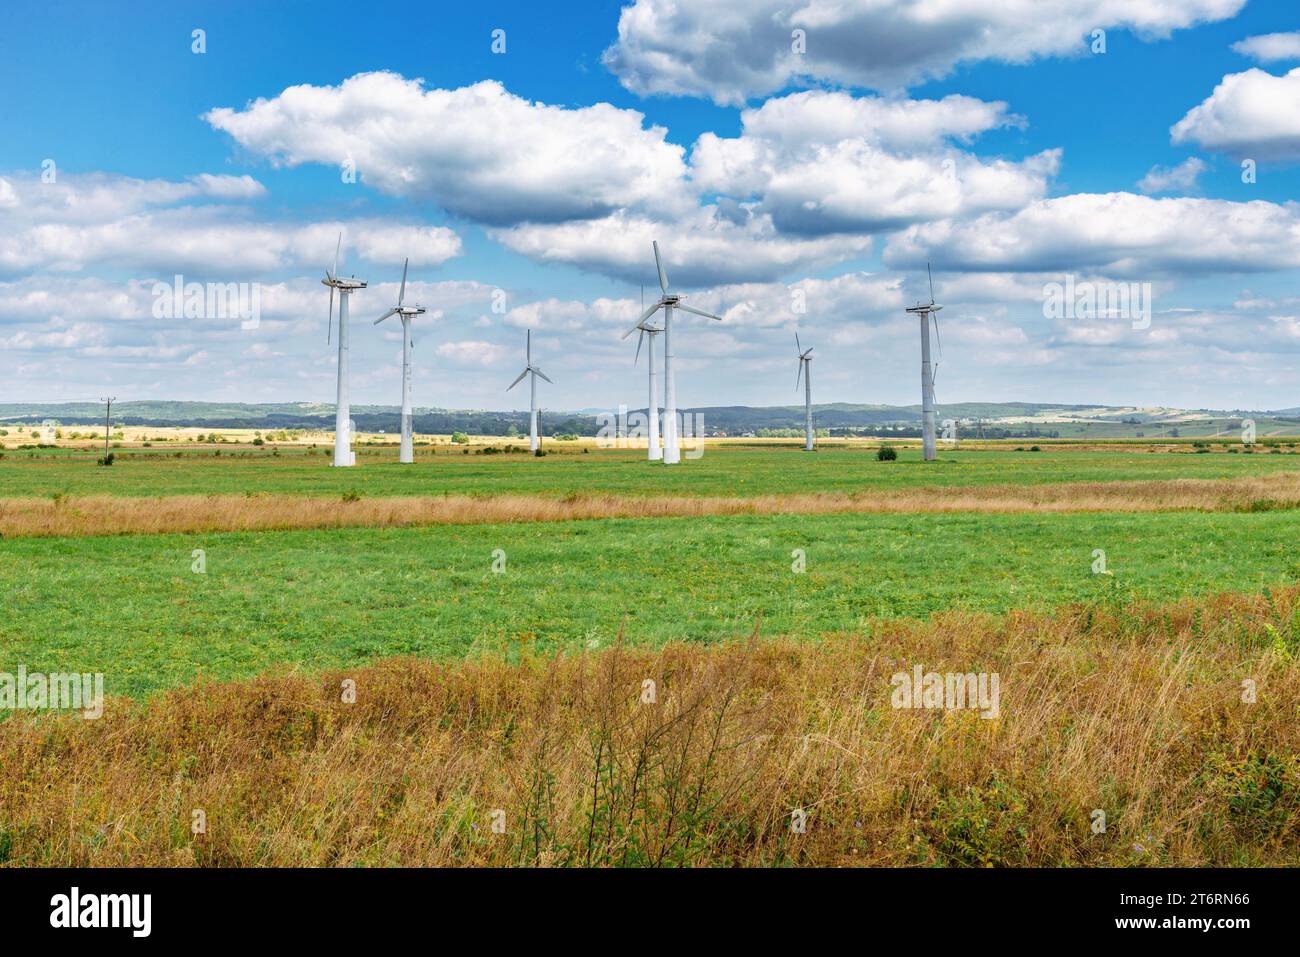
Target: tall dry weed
(1134, 712)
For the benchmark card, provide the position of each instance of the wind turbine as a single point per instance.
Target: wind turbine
(925, 310)
(656, 454)
(805, 370)
(668, 302)
(406, 313)
(343, 454)
(532, 402)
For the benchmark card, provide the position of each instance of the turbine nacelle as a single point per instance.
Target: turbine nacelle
(406, 312)
(529, 368)
(344, 286)
(804, 356)
(348, 283)
(921, 307)
(646, 330)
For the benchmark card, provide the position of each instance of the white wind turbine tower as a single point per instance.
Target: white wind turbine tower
(668, 302)
(406, 313)
(652, 405)
(343, 454)
(532, 402)
(805, 370)
(925, 310)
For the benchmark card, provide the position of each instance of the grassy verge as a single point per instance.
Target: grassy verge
(1134, 713)
(123, 515)
(134, 608)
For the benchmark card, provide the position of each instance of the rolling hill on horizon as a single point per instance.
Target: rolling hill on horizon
(1000, 419)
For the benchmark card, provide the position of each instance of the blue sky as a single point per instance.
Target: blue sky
(791, 190)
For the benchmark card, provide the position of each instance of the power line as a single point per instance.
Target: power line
(108, 412)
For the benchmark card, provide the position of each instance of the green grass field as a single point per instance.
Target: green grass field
(720, 472)
(130, 606)
(465, 703)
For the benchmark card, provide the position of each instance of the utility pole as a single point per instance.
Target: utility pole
(108, 409)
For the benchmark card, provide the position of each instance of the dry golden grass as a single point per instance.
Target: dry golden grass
(116, 515)
(1134, 711)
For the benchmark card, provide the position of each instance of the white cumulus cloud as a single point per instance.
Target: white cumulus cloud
(711, 245)
(731, 51)
(1253, 114)
(829, 162)
(478, 151)
(1170, 179)
(1122, 234)
(1270, 47)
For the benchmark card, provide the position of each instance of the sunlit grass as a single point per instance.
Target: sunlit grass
(132, 608)
(721, 471)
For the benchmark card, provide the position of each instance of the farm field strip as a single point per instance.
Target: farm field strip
(119, 515)
(134, 608)
(724, 472)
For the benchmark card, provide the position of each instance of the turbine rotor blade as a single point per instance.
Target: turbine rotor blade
(639, 341)
(517, 381)
(931, 278)
(337, 246)
(797, 347)
(390, 312)
(799, 377)
(529, 346)
(402, 292)
(663, 276)
(329, 328)
(698, 312)
(543, 375)
(644, 316)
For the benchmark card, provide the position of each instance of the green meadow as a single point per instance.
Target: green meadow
(132, 607)
(719, 472)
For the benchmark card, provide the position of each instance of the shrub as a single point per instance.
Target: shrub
(105, 459)
(886, 453)
(258, 441)
(351, 495)
(459, 438)
(979, 826)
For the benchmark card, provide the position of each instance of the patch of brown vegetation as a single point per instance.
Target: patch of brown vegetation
(117, 515)
(1135, 711)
